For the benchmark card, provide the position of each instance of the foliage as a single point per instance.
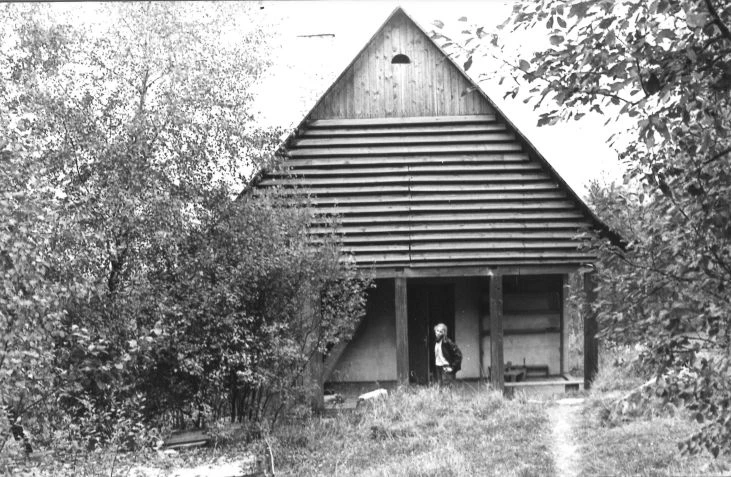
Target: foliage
(662, 68)
(248, 303)
(645, 446)
(131, 277)
(620, 369)
(415, 431)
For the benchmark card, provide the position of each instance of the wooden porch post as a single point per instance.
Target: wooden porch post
(402, 330)
(317, 382)
(565, 321)
(591, 344)
(314, 374)
(497, 368)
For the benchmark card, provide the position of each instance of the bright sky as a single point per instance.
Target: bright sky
(305, 66)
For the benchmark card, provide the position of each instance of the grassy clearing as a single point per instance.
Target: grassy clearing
(413, 432)
(422, 432)
(425, 432)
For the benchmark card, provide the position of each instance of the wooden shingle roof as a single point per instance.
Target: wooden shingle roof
(413, 189)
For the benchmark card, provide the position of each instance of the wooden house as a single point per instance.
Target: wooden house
(458, 215)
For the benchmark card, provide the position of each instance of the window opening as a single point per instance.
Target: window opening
(400, 59)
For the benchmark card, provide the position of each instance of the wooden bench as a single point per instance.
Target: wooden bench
(514, 375)
(537, 370)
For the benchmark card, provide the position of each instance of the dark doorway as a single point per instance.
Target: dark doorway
(428, 305)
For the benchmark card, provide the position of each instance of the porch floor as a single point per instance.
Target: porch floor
(544, 387)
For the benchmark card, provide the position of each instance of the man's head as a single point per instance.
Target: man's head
(440, 331)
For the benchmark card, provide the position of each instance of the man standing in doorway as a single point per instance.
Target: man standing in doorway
(448, 357)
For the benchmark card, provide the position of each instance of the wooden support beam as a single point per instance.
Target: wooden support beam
(317, 382)
(314, 374)
(402, 330)
(470, 271)
(497, 368)
(484, 309)
(565, 322)
(591, 344)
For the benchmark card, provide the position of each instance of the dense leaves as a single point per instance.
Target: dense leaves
(248, 303)
(659, 69)
(662, 68)
(137, 291)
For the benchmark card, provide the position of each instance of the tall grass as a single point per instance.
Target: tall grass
(646, 446)
(422, 432)
(641, 439)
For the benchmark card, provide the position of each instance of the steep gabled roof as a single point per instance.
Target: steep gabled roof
(425, 170)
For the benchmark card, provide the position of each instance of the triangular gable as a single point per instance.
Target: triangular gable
(376, 84)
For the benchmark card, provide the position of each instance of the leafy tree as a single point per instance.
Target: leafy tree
(125, 263)
(662, 67)
(234, 307)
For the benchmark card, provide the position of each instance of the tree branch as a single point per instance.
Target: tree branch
(717, 20)
(716, 156)
(615, 96)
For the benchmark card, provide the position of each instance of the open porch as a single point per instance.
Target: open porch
(512, 325)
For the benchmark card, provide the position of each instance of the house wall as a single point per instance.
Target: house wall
(371, 356)
(467, 325)
(532, 308)
(538, 349)
(373, 87)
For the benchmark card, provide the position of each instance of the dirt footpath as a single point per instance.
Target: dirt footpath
(565, 416)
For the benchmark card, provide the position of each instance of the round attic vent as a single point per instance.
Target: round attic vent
(400, 59)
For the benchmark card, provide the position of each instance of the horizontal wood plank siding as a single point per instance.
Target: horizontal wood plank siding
(431, 192)
(373, 87)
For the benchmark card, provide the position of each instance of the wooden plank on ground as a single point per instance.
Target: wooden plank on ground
(187, 438)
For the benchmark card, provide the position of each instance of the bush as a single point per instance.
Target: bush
(620, 369)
